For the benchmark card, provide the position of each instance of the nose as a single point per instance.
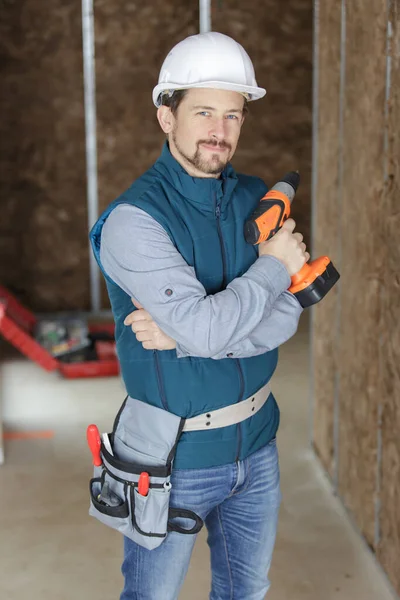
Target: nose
(217, 131)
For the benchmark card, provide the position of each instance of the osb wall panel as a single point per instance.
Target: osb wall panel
(362, 257)
(326, 233)
(132, 40)
(43, 226)
(277, 135)
(389, 547)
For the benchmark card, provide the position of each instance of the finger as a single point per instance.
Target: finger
(138, 315)
(307, 256)
(148, 346)
(303, 246)
(136, 303)
(143, 336)
(289, 225)
(141, 326)
(298, 237)
(128, 319)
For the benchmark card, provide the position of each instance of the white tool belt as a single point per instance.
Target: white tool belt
(229, 415)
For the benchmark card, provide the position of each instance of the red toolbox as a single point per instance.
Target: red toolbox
(17, 325)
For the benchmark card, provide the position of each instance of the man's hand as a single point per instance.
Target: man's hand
(288, 247)
(147, 331)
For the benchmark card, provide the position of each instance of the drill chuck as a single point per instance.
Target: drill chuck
(293, 179)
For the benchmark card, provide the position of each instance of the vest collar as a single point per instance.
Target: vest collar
(200, 190)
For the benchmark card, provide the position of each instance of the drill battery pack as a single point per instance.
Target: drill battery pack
(319, 287)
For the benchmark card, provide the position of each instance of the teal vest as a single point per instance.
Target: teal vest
(204, 219)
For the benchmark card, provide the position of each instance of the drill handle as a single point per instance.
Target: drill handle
(269, 216)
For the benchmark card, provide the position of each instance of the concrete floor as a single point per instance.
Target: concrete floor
(51, 550)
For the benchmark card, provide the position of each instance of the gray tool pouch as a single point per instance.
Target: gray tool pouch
(143, 439)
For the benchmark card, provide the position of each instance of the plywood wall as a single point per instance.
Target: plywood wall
(356, 404)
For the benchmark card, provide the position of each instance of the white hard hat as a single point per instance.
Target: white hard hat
(208, 60)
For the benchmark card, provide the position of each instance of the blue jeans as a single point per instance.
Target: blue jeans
(239, 503)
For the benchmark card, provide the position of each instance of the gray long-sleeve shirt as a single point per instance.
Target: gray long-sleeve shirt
(254, 314)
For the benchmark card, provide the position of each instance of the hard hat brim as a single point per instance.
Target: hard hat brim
(255, 92)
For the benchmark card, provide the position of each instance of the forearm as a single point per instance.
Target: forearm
(206, 325)
(275, 328)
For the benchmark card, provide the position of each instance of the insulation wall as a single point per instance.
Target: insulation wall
(326, 227)
(388, 546)
(43, 225)
(356, 357)
(43, 248)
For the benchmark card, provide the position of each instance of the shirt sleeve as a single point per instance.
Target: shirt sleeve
(274, 329)
(139, 256)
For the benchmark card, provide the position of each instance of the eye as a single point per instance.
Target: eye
(232, 117)
(203, 112)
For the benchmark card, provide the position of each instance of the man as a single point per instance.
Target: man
(211, 312)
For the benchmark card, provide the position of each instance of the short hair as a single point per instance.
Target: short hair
(173, 101)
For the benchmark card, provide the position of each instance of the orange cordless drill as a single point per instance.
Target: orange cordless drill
(316, 278)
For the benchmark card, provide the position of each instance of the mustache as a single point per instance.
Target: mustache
(222, 144)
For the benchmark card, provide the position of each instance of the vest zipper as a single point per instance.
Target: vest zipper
(160, 381)
(221, 241)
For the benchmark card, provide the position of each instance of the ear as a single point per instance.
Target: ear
(165, 118)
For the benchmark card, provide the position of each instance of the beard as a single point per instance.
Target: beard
(210, 166)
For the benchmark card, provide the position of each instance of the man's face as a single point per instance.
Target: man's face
(205, 130)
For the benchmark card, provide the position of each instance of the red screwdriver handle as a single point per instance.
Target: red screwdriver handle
(144, 483)
(94, 442)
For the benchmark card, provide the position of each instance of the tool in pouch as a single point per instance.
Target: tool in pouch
(316, 278)
(130, 490)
